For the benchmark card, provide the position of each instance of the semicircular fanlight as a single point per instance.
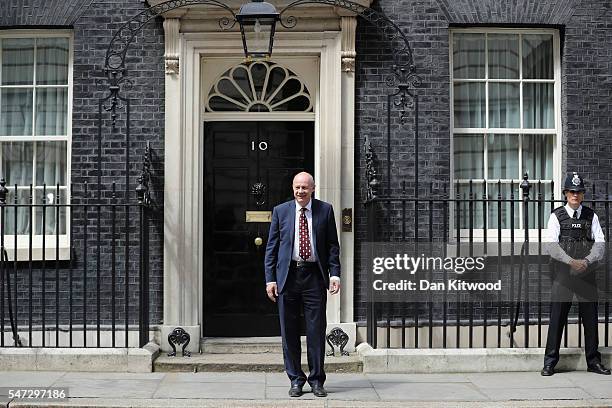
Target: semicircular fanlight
(259, 86)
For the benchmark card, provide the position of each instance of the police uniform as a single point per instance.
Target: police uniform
(574, 234)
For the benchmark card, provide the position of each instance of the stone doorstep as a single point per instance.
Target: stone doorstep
(263, 362)
(475, 360)
(251, 345)
(133, 360)
(246, 345)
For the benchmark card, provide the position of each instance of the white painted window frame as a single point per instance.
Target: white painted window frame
(519, 233)
(23, 241)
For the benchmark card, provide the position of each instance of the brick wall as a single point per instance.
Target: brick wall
(586, 92)
(93, 23)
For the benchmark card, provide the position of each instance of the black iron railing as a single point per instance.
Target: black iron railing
(513, 219)
(75, 266)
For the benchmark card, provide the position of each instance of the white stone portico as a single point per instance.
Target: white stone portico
(321, 49)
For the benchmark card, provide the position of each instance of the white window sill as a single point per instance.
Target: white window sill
(493, 249)
(51, 250)
(492, 235)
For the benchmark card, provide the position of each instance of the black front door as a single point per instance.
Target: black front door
(249, 167)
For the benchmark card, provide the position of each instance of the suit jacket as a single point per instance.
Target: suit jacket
(280, 242)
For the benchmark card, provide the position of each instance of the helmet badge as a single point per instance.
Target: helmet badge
(576, 180)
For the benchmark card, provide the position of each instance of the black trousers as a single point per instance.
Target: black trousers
(305, 290)
(558, 319)
(565, 287)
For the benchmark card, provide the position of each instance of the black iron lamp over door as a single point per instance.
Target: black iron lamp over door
(257, 21)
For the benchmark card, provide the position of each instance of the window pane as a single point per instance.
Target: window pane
(50, 163)
(17, 161)
(230, 89)
(500, 212)
(241, 76)
(276, 78)
(51, 111)
(539, 209)
(538, 106)
(290, 88)
(52, 61)
(538, 156)
(470, 217)
(16, 112)
(504, 105)
(219, 104)
(469, 56)
(469, 156)
(17, 61)
(23, 213)
(49, 196)
(503, 55)
(538, 56)
(258, 73)
(503, 156)
(469, 105)
(300, 103)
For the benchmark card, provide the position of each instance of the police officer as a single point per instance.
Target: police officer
(576, 242)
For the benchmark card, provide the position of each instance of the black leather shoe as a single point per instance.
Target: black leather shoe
(295, 390)
(598, 368)
(547, 371)
(319, 391)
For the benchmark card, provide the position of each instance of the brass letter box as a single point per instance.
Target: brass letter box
(259, 216)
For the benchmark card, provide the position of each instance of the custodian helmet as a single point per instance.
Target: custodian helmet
(573, 182)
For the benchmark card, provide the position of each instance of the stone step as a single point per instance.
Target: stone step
(263, 362)
(247, 345)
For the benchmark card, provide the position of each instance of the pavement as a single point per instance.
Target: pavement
(259, 389)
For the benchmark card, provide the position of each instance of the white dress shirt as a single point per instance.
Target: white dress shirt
(554, 230)
(295, 256)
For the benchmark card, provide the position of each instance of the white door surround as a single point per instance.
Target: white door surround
(190, 57)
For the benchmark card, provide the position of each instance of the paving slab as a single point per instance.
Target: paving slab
(347, 381)
(216, 377)
(257, 389)
(174, 403)
(360, 394)
(276, 392)
(518, 380)
(428, 392)
(305, 403)
(106, 388)
(210, 390)
(584, 378)
(278, 379)
(333, 379)
(599, 389)
(476, 404)
(535, 393)
(114, 376)
(427, 378)
(301, 403)
(32, 378)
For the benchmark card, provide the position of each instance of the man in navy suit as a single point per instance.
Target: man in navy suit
(302, 261)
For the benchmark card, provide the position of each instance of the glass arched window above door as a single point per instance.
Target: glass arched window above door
(260, 86)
